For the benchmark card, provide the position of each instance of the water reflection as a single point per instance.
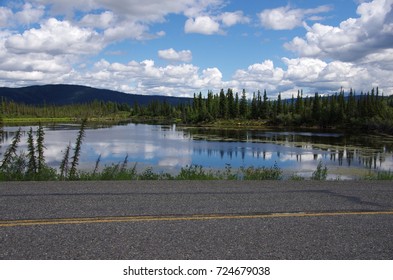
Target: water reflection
(173, 147)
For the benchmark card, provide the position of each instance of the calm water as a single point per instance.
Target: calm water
(170, 148)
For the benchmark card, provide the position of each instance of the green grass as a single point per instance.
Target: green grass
(35, 120)
(380, 175)
(320, 174)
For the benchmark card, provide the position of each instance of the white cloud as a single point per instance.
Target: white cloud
(146, 11)
(29, 14)
(303, 69)
(5, 16)
(359, 50)
(26, 16)
(67, 7)
(125, 30)
(146, 78)
(102, 21)
(172, 55)
(209, 25)
(285, 18)
(212, 78)
(353, 39)
(202, 25)
(260, 76)
(125, 19)
(55, 37)
(233, 18)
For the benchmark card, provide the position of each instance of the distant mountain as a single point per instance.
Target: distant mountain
(74, 94)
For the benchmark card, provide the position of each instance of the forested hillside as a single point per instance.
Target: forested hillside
(75, 94)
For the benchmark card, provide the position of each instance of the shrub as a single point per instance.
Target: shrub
(261, 173)
(320, 174)
(194, 172)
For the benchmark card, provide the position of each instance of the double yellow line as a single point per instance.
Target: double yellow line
(203, 217)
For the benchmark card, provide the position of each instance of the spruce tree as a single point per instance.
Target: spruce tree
(223, 105)
(77, 150)
(40, 149)
(243, 105)
(32, 164)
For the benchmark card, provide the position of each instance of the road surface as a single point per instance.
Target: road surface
(196, 220)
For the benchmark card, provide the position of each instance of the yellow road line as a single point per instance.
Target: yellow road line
(60, 221)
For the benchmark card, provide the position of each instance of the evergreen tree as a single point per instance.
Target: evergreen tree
(32, 164)
(254, 107)
(279, 104)
(223, 105)
(10, 153)
(77, 150)
(64, 163)
(237, 108)
(231, 104)
(265, 106)
(243, 105)
(316, 108)
(40, 148)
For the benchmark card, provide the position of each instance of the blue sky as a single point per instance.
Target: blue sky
(180, 47)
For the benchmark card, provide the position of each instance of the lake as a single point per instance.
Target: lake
(168, 148)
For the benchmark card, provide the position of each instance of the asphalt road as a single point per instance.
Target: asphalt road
(196, 220)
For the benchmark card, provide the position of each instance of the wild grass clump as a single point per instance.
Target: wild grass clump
(320, 174)
(228, 174)
(261, 173)
(296, 177)
(380, 175)
(195, 172)
(113, 172)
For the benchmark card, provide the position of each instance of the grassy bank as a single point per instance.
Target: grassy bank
(35, 120)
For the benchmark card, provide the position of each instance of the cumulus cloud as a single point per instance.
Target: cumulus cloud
(202, 25)
(5, 16)
(172, 55)
(209, 25)
(233, 18)
(311, 74)
(26, 16)
(55, 37)
(29, 14)
(285, 18)
(126, 30)
(353, 39)
(146, 78)
(319, 75)
(146, 11)
(101, 21)
(357, 53)
(261, 76)
(132, 18)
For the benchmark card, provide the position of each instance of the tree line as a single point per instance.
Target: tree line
(370, 111)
